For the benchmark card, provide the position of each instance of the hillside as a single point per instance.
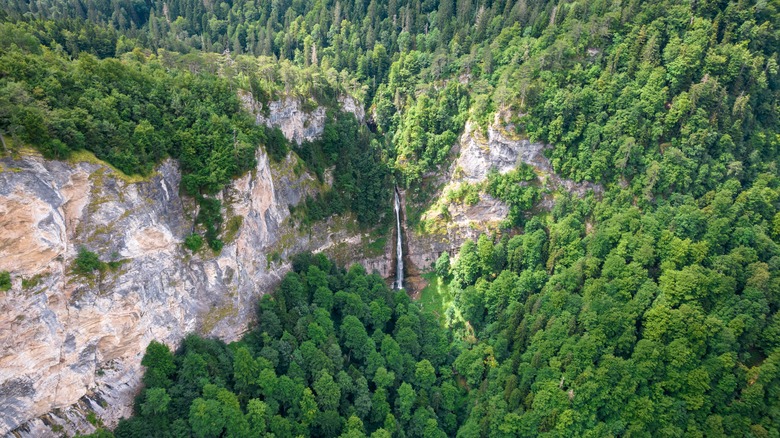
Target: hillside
(589, 217)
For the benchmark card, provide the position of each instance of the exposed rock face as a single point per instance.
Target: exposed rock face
(477, 155)
(350, 105)
(72, 344)
(295, 123)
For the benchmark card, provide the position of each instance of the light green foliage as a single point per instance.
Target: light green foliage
(206, 418)
(406, 397)
(327, 391)
(193, 242)
(245, 371)
(430, 124)
(424, 374)
(156, 402)
(467, 267)
(516, 189)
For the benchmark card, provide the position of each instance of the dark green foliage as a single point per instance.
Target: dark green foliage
(305, 369)
(360, 178)
(276, 144)
(193, 242)
(87, 263)
(682, 298)
(210, 216)
(649, 311)
(160, 366)
(5, 281)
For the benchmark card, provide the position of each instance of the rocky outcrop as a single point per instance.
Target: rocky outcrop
(73, 344)
(477, 154)
(289, 115)
(351, 105)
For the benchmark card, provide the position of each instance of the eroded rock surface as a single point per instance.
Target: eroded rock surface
(70, 344)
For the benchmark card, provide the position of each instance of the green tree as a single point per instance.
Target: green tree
(206, 418)
(442, 266)
(160, 365)
(406, 400)
(245, 371)
(327, 391)
(424, 374)
(156, 402)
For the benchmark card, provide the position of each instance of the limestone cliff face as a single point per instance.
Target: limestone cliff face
(478, 153)
(71, 344)
(293, 120)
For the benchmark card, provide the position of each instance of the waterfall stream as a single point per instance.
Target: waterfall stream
(399, 252)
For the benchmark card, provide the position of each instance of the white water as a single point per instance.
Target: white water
(399, 251)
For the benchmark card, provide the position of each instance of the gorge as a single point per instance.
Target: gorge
(405, 219)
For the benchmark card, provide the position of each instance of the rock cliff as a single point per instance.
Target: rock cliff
(72, 344)
(475, 155)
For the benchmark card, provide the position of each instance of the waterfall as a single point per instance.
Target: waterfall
(399, 251)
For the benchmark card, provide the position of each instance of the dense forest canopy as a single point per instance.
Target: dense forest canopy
(335, 352)
(627, 91)
(650, 310)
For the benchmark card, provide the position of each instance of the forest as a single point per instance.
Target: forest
(336, 353)
(650, 310)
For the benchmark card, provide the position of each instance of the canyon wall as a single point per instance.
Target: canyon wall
(73, 344)
(475, 155)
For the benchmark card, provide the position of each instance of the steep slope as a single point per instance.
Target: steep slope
(74, 344)
(444, 224)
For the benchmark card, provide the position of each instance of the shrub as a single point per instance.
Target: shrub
(87, 262)
(193, 242)
(5, 281)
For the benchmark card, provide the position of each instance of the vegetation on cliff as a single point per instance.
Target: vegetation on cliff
(651, 310)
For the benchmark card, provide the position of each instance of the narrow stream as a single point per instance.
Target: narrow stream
(399, 252)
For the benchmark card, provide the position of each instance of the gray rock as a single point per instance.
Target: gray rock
(73, 345)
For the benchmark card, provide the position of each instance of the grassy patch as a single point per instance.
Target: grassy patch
(232, 228)
(217, 314)
(436, 297)
(93, 419)
(273, 257)
(85, 156)
(376, 248)
(29, 283)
